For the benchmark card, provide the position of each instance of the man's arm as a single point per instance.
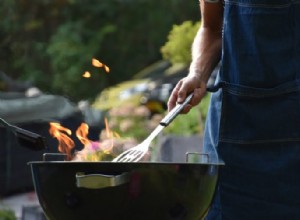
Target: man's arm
(206, 53)
(206, 49)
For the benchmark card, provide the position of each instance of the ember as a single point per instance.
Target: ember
(97, 63)
(86, 74)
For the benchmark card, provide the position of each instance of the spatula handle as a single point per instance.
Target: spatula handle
(175, 111)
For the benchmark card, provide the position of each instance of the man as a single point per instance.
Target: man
(254, 117)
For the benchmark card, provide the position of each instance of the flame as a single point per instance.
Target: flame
(106, 68)
(82, 133)
(97, 63)
(86, 74)
(107, 129)
(110, 135)
(65, 143)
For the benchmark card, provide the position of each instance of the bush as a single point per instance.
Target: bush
(178, 47)
(7, 214)
(191, 123)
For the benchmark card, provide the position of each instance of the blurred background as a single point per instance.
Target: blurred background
(50, 44)
(48, 50)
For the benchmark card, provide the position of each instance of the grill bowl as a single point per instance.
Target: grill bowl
(123, 191)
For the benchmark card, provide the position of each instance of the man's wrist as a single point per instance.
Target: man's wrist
(198, 74)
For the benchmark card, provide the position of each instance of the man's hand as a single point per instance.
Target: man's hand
(187, 85)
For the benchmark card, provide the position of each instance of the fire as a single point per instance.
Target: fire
(97, 63)
(86, 74)
(82, 133)
(106, 68)
(110, 133)
(92, 150)
(65, 143)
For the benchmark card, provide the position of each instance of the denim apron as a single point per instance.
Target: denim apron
(254, 118)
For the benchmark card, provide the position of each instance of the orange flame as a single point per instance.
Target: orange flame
(86, 74)
(97, 63)
(110, 135)
(82, 133)
(106, 68)
(65, 143)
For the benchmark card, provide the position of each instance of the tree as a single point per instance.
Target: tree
(178, 47)
(51, 43)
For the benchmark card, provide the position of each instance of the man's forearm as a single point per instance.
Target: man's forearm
(206, 53)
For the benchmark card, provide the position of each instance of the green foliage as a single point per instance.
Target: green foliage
(51, 43)
(191, 123)
(178, 47)
(7, 214)
(69, 64)
(110, 97)
(131, 121)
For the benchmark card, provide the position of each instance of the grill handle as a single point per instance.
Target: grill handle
(100, 181)
(175, 111)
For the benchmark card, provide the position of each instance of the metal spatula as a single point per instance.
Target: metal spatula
(138, 152)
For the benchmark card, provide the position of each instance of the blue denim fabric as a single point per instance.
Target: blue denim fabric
(258, 182)
(254, 119)
(261, 42)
